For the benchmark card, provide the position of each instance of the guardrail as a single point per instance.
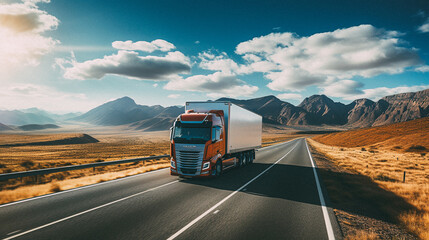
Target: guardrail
(7, 176)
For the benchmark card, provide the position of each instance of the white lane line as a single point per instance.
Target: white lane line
(216, 211)
(89, 210)
(80, 188)
(226, 198)
(328, 224)
(13, 232)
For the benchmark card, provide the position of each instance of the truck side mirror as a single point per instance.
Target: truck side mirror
(218, 131)
(171, 133)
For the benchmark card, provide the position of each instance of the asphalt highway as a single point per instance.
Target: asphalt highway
(279, 196)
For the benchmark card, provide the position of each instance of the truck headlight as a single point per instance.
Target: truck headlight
(206, 165)
(173, 164)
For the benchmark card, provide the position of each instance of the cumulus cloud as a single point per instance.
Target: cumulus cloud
(290, 96)
(144, 46)
(292, 79)
(268, 44)
(216, 85)
(295, 62)
(22, 26)
(344, 89)
(292, 62)
(128, 64)
(424, 68)
(221, 62)
(350, 90)
(424, 28)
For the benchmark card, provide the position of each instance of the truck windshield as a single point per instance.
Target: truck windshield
(191, 134)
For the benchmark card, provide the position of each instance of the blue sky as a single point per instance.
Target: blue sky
(74, 55)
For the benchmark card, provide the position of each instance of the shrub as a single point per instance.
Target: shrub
(363, 149)
(55, 187)
(27, 164)
(416, 148)
(2, 165)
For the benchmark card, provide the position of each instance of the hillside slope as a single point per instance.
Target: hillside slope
(401, 136)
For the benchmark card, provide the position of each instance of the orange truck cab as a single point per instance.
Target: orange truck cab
(201, 140)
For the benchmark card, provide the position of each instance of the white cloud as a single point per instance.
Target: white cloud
(144, 46)
(290, 96)
(215, 85)
(174, 96)
(20, 96)
(292, 79)
(21, 28)
(128, 64)
(377, 93)
(344, 89)
(348, 90)
(155, 85)
(266, 44)
(221, 62)
(424, 28)
(321, 58)
(424, 68)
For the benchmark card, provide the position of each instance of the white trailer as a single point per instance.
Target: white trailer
(243, 127)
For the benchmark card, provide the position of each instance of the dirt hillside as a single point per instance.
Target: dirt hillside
(405, 136)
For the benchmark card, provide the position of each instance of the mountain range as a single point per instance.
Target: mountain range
(314, 110)
(321, 110)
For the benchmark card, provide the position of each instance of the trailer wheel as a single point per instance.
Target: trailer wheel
(243, 159)
(250, 156)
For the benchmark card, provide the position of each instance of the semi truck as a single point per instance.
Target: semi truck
(211, 137)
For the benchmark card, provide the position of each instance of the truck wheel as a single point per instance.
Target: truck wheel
(249, 158)
(218, 169)
(243, 160)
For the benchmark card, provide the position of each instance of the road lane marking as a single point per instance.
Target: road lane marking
(216, 211)
(89, 210)
(13, 232)
(80, 188)
(226, 198)
(328, 224)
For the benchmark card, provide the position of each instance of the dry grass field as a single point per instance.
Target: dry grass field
(371, 163)
(22, 155)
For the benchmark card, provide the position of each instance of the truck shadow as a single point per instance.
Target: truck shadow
(349, 192)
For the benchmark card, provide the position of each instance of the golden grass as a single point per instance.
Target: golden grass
(362, 235)
(109, 148)
(386, 168)
(56, 186)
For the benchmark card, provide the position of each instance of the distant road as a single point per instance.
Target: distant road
(276, 197)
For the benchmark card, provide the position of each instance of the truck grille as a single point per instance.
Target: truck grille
(189, 162)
